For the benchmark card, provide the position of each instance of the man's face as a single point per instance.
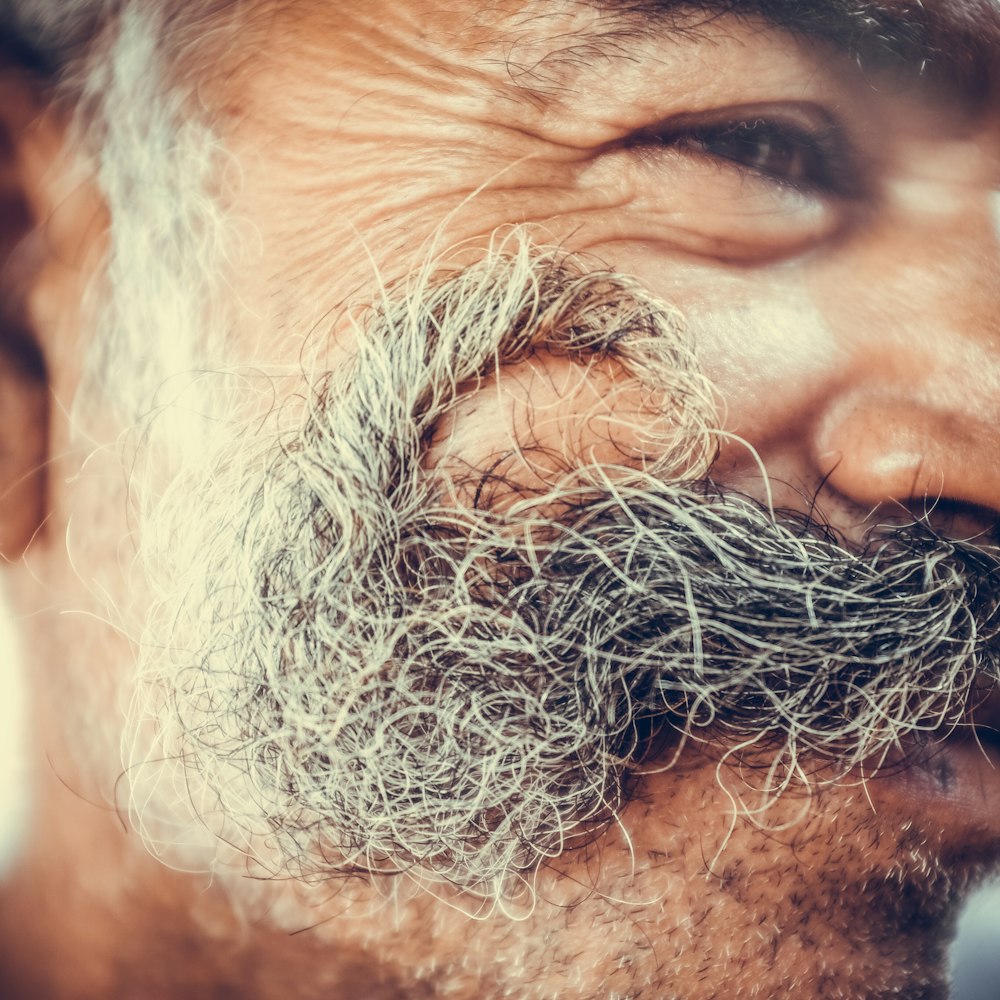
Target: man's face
(358, 555)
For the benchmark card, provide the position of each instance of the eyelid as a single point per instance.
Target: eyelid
(806, 114)
(812, 124)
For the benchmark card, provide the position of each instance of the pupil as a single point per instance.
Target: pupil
(761, 149)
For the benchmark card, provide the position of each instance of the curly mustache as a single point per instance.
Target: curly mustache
(382, 665)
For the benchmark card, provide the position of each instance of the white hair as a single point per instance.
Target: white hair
(59, 35)
(336, 504)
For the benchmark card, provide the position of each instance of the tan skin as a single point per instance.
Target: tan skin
(852, 337)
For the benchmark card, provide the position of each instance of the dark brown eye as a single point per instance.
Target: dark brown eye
(776, 151)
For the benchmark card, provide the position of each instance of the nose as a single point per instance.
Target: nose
(915, 414)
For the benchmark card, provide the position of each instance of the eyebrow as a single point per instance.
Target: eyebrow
(955, 43)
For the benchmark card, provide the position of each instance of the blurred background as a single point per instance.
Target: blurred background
(975, 953)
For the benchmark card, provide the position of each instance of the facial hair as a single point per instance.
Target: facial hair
(381, 667)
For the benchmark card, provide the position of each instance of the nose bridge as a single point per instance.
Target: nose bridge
(918, 409)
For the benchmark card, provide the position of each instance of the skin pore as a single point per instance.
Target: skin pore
(825, 225)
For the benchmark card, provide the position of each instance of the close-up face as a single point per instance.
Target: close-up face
(501, 500)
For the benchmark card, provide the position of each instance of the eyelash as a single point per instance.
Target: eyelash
(810, 160)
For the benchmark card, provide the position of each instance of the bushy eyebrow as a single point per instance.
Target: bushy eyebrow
(955, 42)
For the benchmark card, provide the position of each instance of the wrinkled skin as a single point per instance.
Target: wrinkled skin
(850, 334)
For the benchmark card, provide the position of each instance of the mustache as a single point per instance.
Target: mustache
(728, 618)
(372, 674)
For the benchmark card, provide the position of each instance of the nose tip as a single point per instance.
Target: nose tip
(884, 450)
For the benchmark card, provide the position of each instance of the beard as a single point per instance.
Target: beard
(375, 658)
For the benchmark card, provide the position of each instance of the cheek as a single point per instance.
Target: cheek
(348, 214)
(533, 422)
(764, 337)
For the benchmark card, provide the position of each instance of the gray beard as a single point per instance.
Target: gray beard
(392, 667)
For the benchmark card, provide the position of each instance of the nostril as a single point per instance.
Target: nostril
(954, 519)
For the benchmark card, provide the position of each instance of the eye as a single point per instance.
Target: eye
(810, 156)
(777, 151)
(745, 185)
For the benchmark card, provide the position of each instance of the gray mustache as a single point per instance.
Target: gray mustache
(705, 608)
(532, 671)
(370, 679)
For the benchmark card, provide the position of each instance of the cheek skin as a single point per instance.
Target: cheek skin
(765, 340)
(533, 422)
